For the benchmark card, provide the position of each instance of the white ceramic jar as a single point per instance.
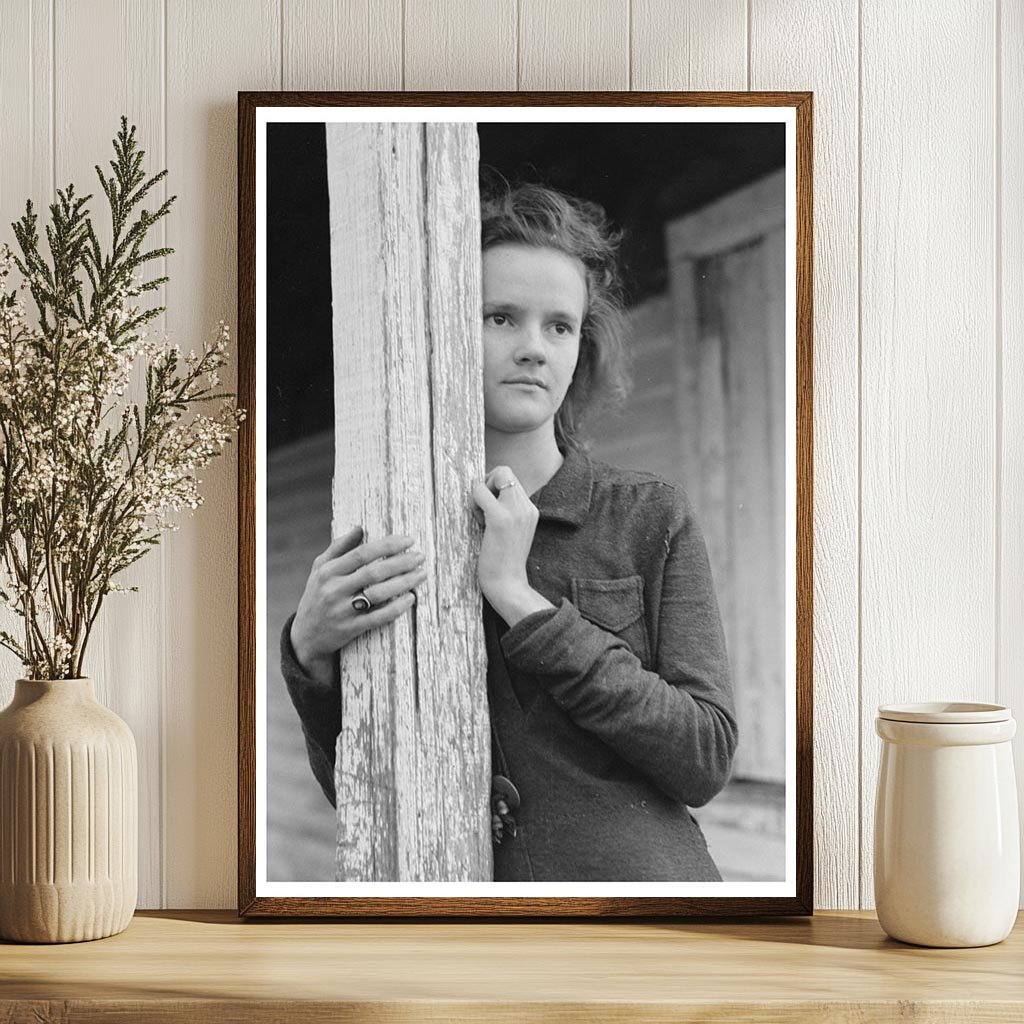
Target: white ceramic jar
(947, 846)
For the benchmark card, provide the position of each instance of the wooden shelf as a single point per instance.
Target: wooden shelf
(200, 966)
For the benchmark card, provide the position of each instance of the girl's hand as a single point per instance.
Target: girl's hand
(386, 571)
(510, 519)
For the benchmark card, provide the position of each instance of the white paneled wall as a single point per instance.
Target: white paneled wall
(1009, 325)
(831, 72)
(928, 511)
(919, 343)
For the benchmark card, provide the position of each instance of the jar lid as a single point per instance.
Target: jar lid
(945, 712)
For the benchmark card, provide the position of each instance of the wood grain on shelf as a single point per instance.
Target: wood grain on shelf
(207, 965)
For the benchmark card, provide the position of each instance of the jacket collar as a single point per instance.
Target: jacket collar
(566, 496)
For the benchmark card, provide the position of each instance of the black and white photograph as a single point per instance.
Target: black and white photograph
(525, 504)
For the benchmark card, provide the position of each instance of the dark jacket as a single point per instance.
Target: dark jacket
(612, 712)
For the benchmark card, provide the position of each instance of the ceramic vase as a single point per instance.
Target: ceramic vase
(947, 846)
(68, 815)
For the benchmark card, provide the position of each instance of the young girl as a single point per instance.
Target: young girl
(608, 687)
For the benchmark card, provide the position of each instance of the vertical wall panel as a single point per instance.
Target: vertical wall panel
(26, 169)
(689, 44)
(1010, 677)
(213, 51)
(347, 44)
(26, 72)
(466, 45)
(928, 364)
(574, 44)
(122, 658)
(800, 45)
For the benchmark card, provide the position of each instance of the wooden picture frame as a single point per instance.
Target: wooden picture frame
(687, 246)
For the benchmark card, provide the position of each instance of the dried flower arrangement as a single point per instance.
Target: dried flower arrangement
(88, 479)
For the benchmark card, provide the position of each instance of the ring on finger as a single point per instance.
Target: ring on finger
(511, 483)
(361, 603)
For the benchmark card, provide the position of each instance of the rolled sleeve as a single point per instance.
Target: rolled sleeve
(556, 642)
(319, 709)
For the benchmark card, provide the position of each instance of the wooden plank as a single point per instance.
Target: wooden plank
(128, 667)
(367, 822)
(26, 77)
(647, 416)
(454, 755)
(796, 44)
(929, 407)
(756, 443)
(412, 769)
(574, 44)
(642, 434)
(212, 51)
(290, 463)
(964, 1011)
(346, 44)
(702, 421)
(651, 337)
(208, 966)
(1010, 319)
(26, 100)
(729, 290)
(690, 45)
(471, 44)
(300, 823)
(733, 220)
(294, 512)
(774, 314)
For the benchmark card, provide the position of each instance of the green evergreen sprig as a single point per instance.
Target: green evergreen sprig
(88, 478)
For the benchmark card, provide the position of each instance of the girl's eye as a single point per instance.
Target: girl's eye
(562, 328)
(498, 319)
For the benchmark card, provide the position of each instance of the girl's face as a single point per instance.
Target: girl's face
(534, 301)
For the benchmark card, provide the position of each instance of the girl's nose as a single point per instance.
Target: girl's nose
(530, 347)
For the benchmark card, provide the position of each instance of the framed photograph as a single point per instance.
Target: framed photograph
(525, 493)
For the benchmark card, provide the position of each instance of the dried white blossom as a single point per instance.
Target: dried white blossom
(90, 486)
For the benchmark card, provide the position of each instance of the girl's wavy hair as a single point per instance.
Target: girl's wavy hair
(537, 215)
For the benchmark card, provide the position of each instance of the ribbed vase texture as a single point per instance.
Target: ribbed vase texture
(68, 815)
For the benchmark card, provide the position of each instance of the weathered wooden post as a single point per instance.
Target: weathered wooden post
(413, 758)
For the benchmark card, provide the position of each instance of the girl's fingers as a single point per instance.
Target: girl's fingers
(369, 552)
(341, 545)
(378, 593)
(381, 570)
(386, 613)
(499, 479)
(483, 497)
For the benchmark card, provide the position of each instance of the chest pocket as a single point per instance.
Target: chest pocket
(617, 606)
